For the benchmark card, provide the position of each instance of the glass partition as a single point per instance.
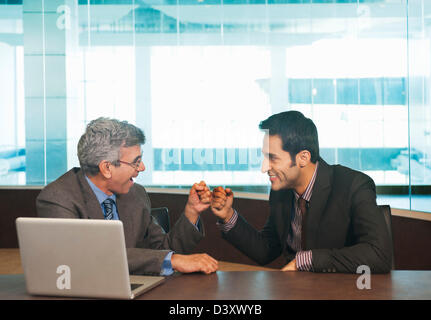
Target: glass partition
(199, 75)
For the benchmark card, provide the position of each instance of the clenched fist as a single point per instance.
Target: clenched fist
(221, 203)
(199, 200)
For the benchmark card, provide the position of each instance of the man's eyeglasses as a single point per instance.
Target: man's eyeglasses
(134, 165)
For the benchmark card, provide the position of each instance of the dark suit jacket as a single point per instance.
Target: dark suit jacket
(70, 196)
(344, 226)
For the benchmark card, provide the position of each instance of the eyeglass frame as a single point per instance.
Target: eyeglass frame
(133, 165)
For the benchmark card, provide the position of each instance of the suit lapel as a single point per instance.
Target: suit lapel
(287, 217)
(321, 191)
(92, 205)
(283, 206)
(125, 213)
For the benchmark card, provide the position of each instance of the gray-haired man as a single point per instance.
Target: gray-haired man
(110, 157)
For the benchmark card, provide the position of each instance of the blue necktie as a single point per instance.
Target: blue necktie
(108, 205)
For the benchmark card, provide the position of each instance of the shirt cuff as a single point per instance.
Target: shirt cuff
(167, 266)
(226, 227)
(304, 260)
(197, 224)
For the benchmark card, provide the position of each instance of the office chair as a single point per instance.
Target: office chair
(386, 210)
(162, 217)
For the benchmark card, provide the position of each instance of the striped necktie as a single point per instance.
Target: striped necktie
(108, 206)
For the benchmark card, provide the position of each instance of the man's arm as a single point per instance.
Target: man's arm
(148, 261)
(262, 246)
(149, 255)
(174, 246)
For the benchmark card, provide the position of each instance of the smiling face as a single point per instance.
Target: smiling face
(283, 172)
(122, 176)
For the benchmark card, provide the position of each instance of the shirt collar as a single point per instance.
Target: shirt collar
(100, 195)
(308, 192)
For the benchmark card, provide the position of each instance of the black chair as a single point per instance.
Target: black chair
(162, 217)
(386, 210)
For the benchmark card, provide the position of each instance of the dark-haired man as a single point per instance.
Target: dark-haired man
(323, 218)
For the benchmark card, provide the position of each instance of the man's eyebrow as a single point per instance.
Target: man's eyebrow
(137, 158)
(269, 154)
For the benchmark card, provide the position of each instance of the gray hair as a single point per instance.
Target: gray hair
(103, 139)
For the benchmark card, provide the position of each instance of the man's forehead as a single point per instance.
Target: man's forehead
(271, 144)
(133, 152)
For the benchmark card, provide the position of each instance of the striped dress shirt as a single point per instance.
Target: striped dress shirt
(304, 259)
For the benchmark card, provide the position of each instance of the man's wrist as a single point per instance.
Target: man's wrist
(191, 213)
(228, 225)
(229, 216)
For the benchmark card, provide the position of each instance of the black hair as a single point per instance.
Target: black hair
(296, 132)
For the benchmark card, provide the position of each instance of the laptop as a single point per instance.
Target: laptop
(78, 258)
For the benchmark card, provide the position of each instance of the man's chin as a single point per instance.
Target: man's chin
(275, 187)
(278, 186)
(123, 190)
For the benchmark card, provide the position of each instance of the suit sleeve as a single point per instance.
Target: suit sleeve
(150, 252)
(182, 238)
(154, 244)
(372, 245)
(262, 246)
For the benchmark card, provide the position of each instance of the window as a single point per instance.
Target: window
(199, 76)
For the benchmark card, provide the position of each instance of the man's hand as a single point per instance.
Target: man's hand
(194, 263)
(199, 200)
(291, 266)
(221, 204)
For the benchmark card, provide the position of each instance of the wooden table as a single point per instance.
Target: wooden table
(256, 284)
(10, 263)
(267, 285)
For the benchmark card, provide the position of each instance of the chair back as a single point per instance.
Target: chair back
(162, 217)
(386, 210)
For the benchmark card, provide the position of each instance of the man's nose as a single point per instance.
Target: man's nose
(265, 165)
(141, 166)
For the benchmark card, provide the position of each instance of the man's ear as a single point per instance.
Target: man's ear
(303, 158)
(105, 169)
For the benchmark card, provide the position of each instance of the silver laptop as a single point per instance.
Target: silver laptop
(78, 258)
